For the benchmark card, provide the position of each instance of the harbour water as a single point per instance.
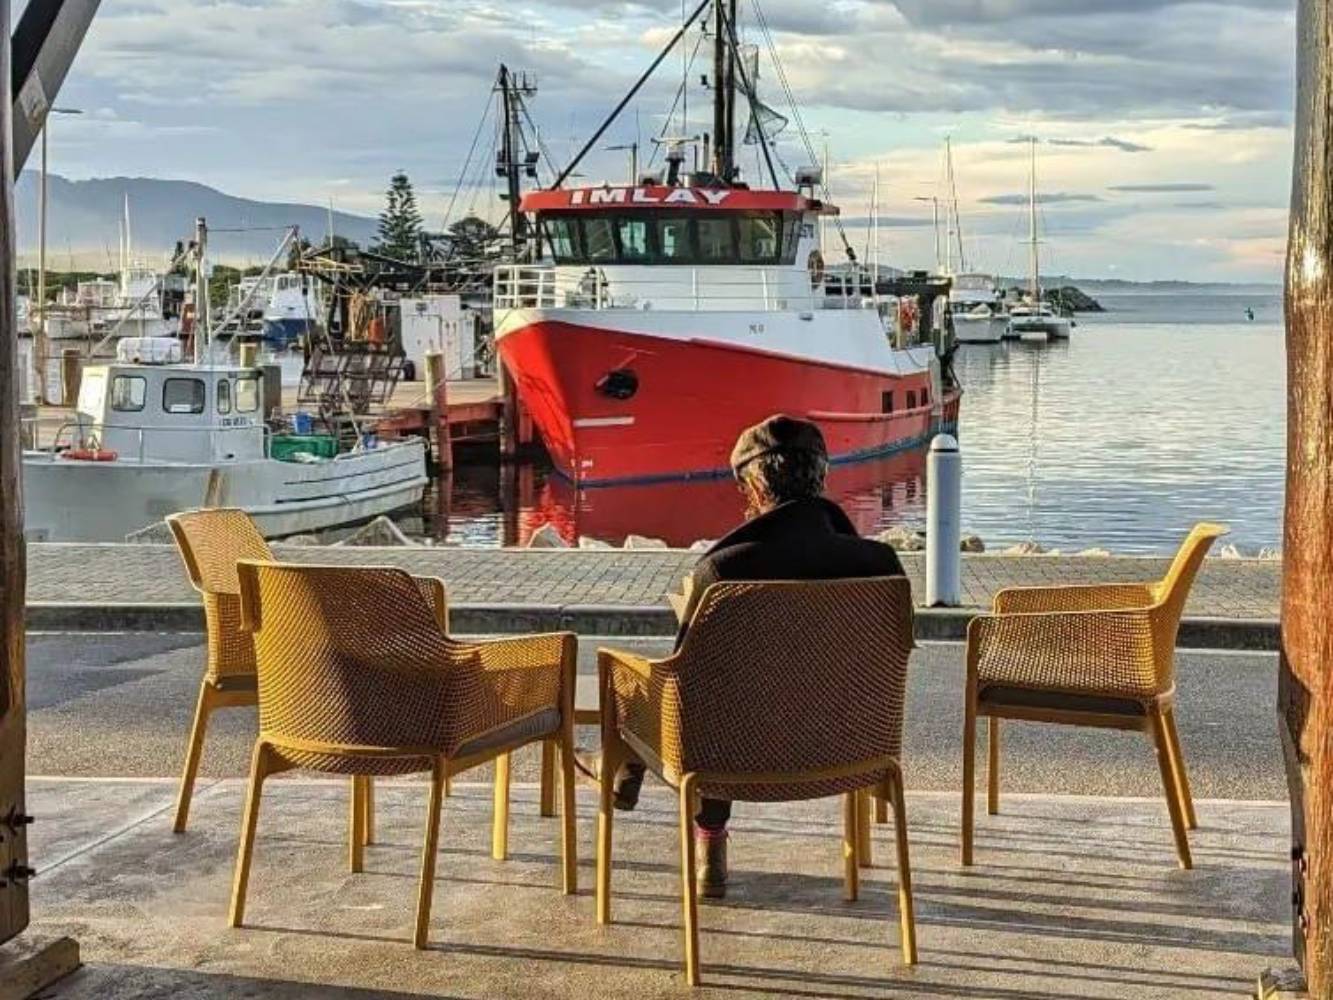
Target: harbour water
(1167, 409)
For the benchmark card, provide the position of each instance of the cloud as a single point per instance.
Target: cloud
(1106, 142)
(1051, 198)
(1162, 188)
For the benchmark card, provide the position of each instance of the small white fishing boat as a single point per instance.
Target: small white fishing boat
(152, 436)
(150, 439)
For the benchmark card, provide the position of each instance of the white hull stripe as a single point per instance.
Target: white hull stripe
(605, 422)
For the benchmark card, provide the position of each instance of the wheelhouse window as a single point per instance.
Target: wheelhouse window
(761, 237)
(128, 393)
(667, 237)
(224, 396)
(183, 395)
(247, 395)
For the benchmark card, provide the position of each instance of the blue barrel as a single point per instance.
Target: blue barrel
(303, 423)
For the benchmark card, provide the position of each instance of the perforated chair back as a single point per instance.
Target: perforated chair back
(788, 677)
(1172, 593)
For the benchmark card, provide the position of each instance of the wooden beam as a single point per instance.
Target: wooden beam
(33, 963)
(1305, 683)
(44, 46)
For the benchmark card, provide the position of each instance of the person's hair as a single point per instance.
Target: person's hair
(782, 476)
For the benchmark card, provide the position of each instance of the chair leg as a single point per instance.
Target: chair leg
(1161, 743)
(606, 825)
(193, 754)
(881, 809)
(851, 875)
(356, 823)
(259, 764)
(969, 773)
(689, 889)
(449, 786)
(548, 778)
(864, 854)
(569, 837)
(500, 822)
(993, 767)
(906, 909)
(368, 826)
(426, 891)
(1178, 769)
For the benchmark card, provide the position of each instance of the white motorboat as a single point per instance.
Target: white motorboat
(151, 439)
(977, 309)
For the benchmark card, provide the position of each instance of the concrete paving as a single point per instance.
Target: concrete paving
(120, 705)
(1070, 898)
(152, 574)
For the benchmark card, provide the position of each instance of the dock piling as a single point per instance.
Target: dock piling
(944, 561)
(437, 385)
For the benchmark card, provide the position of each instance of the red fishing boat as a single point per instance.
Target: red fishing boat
(664, 317)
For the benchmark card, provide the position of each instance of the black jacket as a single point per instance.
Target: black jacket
(798, 540)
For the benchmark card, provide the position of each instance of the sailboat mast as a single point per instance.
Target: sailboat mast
(957, 220)
(1035, 285)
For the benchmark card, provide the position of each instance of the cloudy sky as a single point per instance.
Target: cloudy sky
(1165, 126)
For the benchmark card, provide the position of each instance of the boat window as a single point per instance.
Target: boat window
(599, 240)
(886, 402)
(247, 395)
(224, 396)
(911, 400)
(183, 395)
(761, 237)
(633, 237)
(128, 393)
(563, 235)
(673, 240)
(717, 241)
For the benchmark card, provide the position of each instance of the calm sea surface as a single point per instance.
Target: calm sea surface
(1165, 410)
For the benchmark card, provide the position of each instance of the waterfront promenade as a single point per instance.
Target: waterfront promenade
(621, 586)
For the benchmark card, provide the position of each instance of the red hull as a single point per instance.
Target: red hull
(692, 400)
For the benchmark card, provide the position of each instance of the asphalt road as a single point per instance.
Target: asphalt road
(121, 705)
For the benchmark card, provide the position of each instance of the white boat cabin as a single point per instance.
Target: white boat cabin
(174, 413)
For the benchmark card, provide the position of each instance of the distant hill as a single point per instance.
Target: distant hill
(83, 218)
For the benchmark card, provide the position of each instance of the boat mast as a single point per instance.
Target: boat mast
(724, 90)
(1034, 288)
(510, 165)
(952, 212)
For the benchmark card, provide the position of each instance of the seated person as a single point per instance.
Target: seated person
(791, 532)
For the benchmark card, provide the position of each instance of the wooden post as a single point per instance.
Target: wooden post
(437, 384)
(509, 436)
(13, 566)
(1305, 680)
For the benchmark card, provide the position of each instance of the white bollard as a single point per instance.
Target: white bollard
(944, 506)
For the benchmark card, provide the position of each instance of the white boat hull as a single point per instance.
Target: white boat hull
(1039, 329)
(106, 501)
(980, 329)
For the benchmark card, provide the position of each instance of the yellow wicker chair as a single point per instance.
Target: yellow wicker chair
(210, 543)
(1101, 656)
(781, 692)
(348, 688)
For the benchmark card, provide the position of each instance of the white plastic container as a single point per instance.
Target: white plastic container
(149, 350)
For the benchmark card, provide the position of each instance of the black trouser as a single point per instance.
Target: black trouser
(713, 813)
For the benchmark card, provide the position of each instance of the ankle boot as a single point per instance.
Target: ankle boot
(711, 852)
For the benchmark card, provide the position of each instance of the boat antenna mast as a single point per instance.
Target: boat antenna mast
(514, 159)
(724, 91)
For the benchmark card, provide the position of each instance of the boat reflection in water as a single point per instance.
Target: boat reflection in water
(487, 506)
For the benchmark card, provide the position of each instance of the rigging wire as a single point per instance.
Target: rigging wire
(762, 21)
(467, 163)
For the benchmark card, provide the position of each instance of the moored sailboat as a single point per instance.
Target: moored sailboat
(1035, 320)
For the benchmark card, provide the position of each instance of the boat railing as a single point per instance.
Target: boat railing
(84, 434)
(763, 289)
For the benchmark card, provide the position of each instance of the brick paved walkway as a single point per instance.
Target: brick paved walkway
(152, 574)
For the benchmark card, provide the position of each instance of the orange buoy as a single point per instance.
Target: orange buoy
(89, 455)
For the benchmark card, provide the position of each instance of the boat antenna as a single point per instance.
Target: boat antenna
(201, 288)
(511, 165)
(624, 101)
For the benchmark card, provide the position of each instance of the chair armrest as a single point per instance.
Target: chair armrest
(1094, 597)
(432, 588)
(522, 675)
(1089, 652)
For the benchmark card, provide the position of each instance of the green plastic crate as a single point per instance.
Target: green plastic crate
(285, 446)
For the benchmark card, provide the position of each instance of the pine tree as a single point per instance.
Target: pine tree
(400, 222)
